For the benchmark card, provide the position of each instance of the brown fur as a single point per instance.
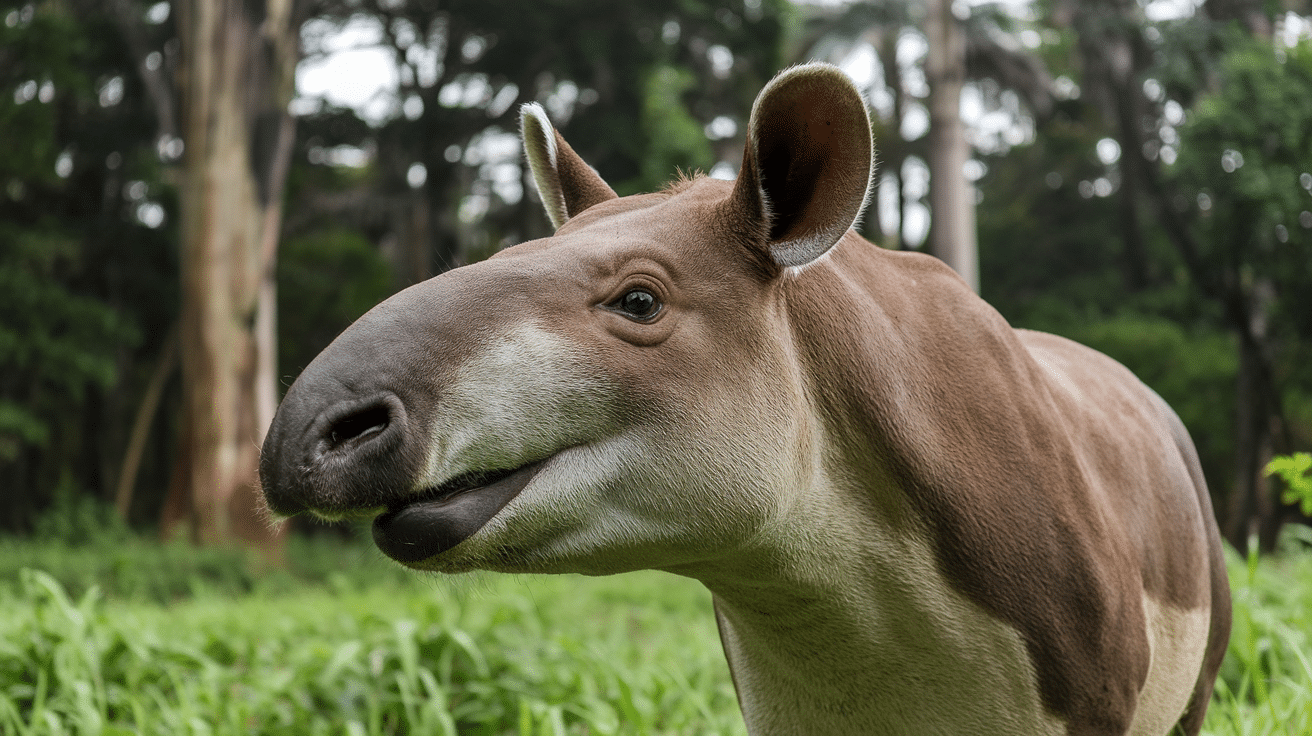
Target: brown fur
(1030, 527)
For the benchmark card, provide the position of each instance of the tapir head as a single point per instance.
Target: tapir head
(624, 394)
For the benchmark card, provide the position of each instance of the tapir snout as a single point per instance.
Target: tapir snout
(344, 439)
(354, 434)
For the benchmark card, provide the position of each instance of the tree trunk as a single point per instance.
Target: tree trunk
(236, 78)
(1251, 13)
(894, 151)
(136, 449)
(1129, 113)
(952, 235)
(417, 245)
(1252, 510)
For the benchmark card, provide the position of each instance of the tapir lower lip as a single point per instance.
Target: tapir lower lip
(424, 528)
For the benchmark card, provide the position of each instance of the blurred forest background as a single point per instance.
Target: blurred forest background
(186, 219)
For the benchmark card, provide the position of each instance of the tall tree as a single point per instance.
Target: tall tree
(952, 235)
(1222, 233)
(651, 74)
(85, 253)
(1114, 56)
(978, 47)
(1242, 173)
(238, 62)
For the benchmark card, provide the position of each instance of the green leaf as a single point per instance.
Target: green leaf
(1292, 469)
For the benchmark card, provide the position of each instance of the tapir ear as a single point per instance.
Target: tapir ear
(565, 182)
(808, 162)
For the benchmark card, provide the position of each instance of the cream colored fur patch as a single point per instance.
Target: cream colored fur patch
(1177, 638)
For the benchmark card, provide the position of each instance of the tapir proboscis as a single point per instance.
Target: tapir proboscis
(913, 518)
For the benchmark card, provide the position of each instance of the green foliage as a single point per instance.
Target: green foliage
(558, 655)
(54, 342)
(1265, 685)
(371, 649)
(1245, 173)
(85, 283)
(52, 338)
(678, 138)
(1292, 469)
(1247, 149)
(48, 49)
(326, 279)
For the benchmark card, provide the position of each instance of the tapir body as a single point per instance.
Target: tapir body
(914, 519)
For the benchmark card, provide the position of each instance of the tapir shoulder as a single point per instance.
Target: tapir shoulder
(1018, 450)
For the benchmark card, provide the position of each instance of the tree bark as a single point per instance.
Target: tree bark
(136, 449)
(1249, 507)
(1251, 13)
(1129, 112)
(1252, 510)
(894, 151)
(952, 235)
(236, 79)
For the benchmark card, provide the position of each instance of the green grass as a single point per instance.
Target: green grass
(361, 651)
(348, 643)
(1265, 685)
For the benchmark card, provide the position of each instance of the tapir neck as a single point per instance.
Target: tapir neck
(898, 647)
(817, 649)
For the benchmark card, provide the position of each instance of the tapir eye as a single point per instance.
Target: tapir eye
(638, 304)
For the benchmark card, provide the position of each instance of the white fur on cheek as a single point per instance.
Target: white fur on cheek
(518, 401)
(627, 485)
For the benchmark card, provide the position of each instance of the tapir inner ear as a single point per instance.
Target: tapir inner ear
(808, 162)
(565, 182)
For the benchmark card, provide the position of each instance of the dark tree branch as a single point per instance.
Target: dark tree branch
(158, 88)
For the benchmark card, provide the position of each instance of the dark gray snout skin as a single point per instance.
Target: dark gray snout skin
(342, 440)
(349, 435)
(352, 433)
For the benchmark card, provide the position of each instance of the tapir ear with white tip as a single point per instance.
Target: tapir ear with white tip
(808, 162)
(565, 182)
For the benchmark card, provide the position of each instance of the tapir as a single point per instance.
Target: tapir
(913, 518)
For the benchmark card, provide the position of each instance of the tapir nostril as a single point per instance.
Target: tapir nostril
(359, 425)
(356, 424)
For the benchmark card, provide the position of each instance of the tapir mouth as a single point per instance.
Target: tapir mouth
(438, 520)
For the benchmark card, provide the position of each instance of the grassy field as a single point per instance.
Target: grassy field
(134, 638)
